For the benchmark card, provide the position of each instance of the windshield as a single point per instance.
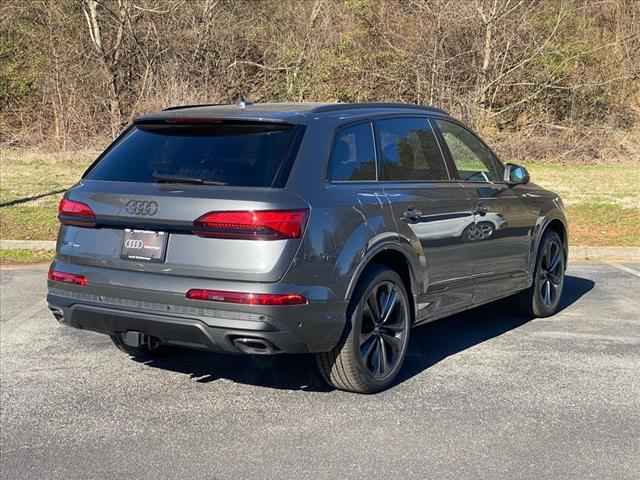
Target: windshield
(245, 154)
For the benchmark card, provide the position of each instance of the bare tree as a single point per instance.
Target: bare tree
(109, 56)
(72, 71)
(492, 12)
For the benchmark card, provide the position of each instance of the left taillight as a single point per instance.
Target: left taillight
(65, 277)
(80, 214)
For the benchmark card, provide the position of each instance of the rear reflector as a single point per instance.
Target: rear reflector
(247, 298)
(67, 277)
(71, 212)
(252, 225)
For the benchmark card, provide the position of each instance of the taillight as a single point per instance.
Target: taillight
(252, 225)
(247, 298)
(65, 277)
(71, 212)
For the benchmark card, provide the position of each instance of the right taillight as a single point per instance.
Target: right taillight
(252, 225)
(80, 214)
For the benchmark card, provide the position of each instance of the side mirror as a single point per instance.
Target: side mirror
(515, 174)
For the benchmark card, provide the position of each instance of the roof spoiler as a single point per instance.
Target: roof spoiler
(180, 107)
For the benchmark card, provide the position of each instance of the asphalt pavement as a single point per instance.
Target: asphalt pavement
(484, 394)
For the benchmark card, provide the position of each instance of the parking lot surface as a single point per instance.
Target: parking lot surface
(484, 394)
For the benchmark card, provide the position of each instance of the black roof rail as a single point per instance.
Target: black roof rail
(180, 107)
(352, 106)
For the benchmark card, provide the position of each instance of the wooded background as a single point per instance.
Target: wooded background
(556, 79)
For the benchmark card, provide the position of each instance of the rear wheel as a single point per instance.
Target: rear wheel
(373, 348)
(149, 349)
(542, 299)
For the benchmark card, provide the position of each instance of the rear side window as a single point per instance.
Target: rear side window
(237, 154)
(409, 150)
(353, 155)
(474, 162)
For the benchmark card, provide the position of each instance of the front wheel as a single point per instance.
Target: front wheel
(375, 343)
(542, 299)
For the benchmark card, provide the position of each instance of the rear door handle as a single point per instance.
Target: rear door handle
(481, 210)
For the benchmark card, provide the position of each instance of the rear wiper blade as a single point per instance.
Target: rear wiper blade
(161, 178)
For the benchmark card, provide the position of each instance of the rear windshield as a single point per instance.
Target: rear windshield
(237, 154)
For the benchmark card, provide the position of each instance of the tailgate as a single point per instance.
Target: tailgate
(119, 206)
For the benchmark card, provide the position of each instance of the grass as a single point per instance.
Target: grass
(603, 225)
(14, 257)
(26, 173)
(30, 222)
(617, 184)
(603, 201)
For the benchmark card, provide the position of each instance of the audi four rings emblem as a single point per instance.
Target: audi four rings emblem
(133, 243)
(141, 207)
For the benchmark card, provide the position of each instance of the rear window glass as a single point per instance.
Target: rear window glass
(353, 156)
(409, 150)
(237, 154)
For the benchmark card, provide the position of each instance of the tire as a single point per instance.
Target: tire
(542, 299)
(374, 344)
(151, 350)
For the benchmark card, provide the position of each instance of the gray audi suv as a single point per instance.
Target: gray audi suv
(329, 229)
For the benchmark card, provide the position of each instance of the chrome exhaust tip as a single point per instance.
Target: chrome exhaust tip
(254, 346)
(58, 313)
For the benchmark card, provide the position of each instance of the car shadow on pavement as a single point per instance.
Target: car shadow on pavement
(287, 372)
(438, 340)
(429, 344)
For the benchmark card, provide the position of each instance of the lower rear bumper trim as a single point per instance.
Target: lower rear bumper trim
(187, 332)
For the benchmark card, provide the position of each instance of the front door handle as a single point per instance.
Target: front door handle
(412, 214)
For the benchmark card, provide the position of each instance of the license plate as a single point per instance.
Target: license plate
(144, 245)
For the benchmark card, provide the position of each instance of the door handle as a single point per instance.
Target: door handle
(481, 210)
(412, 214)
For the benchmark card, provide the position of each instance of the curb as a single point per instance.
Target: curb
(626, 254)
(27, 245)
(629, 254)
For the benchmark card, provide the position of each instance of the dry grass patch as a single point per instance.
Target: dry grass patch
(25, 172)
(603, 225)
(17, 257)
(603, 201)
(30, 222)
(617, 184)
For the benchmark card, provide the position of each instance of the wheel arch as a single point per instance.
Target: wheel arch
(557, 224)
(394, 258)
(560, 228)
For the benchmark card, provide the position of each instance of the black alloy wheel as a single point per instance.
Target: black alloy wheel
(383, 329)
(372, 350)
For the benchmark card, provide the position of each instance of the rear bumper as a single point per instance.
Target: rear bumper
(213, 326)
(184, 332)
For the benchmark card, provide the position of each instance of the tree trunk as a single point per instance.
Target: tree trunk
(486, 61)
(90, 10)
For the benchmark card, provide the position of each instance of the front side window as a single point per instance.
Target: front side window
(409, 150)
(353, 156)
(473, 160)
